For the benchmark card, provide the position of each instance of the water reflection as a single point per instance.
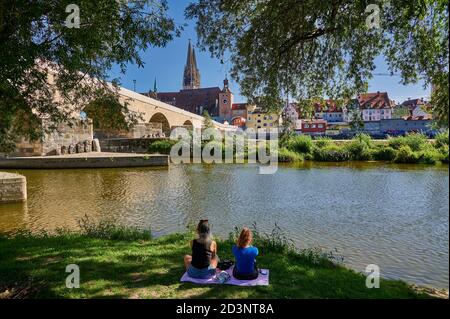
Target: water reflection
(392, 216)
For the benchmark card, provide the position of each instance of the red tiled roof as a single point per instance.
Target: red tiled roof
(314, 121)
(297, 108)
(238, 121)
(412, 104)
(239, 106)
(379, 100)
(329, 107)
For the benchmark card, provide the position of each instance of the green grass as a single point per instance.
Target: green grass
(161, 147)
(300, 144)
(409, 149)
(33, 266)
(287, 156)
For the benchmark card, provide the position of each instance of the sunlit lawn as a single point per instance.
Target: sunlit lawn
(35, 268)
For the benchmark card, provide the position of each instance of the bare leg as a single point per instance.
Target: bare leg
(214, 261)
(187, 261)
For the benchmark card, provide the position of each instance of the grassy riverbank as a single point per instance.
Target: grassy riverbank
(409, 149)
(120, 263)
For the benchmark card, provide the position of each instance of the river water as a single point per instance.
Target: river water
(396, 217)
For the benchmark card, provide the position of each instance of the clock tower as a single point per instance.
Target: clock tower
(225, 102)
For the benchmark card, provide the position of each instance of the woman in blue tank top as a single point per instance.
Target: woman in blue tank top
(245, 254)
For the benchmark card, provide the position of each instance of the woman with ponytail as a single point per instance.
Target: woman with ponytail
(203, 262)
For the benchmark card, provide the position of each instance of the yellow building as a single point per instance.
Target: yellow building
(258, 119)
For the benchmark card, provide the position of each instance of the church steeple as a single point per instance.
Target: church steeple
(191, 77)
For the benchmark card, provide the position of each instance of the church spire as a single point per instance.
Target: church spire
(191, 77)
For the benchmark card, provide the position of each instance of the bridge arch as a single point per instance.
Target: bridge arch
(161, 118)
(188, 124)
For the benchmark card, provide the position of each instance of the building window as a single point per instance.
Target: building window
(306, 125)
(320, 126)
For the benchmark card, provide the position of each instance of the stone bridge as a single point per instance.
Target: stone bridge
(168, 116)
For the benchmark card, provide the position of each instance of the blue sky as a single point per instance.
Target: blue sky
(167, 65)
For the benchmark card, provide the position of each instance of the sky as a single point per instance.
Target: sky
(167, 66)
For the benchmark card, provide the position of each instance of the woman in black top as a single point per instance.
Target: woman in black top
(203, 262)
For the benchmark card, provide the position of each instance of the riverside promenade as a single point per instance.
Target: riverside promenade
(85, 160)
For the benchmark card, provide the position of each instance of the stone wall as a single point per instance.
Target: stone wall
(53, 143)
(92, 160)
(140, 130)
(404, 125)
(397, 125)
(13, 188)
(28, 148)
(127, 145)
(66, 135)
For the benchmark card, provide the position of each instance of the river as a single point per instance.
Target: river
(395, 216)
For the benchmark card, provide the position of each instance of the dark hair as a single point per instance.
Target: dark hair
(203, 228)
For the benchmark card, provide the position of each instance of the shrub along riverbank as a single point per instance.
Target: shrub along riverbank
(117, 262)
(410, 149)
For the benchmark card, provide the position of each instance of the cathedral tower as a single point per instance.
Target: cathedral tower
(191, 77)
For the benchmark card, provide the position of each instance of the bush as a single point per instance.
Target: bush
(384, 153)
(323, 141)
(406, 155)
(288, 156)
(416, 142)
(161, 147)
(444, 154)
(331, 153)
(442, 139)
(360, 148)
(301, 144)
(430, 156)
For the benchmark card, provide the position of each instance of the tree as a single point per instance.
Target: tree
(39, 36)
(356, 121)
(110, 115)
(326, 48)
(207, 122)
